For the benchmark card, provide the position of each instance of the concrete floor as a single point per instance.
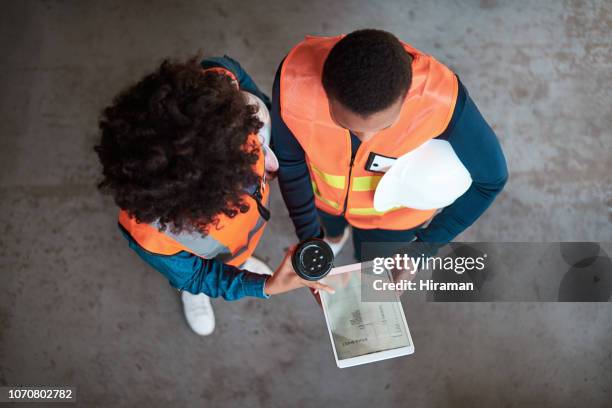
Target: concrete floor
(78, 308)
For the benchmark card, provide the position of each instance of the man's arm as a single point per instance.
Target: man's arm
(244, 79)
(194, 274)
(293, 175)
(477, 147)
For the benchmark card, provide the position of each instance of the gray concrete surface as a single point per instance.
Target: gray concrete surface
(78, 308)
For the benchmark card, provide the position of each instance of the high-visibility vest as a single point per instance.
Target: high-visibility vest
(231, 241)
(343, 186)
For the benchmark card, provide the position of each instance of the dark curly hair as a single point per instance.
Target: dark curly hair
(367, 71)
(174, 148)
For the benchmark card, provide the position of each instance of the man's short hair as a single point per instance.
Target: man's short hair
(367, 71)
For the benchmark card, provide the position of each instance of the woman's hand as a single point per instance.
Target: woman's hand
(285, 279)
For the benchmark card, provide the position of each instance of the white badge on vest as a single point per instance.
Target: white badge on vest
(378, 163)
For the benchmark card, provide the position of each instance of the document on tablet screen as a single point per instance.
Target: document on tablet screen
(359, 328)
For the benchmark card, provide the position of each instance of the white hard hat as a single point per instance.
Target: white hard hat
(429, 177)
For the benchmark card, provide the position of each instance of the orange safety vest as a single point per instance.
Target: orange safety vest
(342, 186)
(232, 241)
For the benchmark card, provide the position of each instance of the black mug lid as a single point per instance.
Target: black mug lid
(313, 259)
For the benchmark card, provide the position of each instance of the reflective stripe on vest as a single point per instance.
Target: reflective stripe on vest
(425, 114)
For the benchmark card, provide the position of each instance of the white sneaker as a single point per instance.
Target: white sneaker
(256, 265)
(337, 246)
(198, 312)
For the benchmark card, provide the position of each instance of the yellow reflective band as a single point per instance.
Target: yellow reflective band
(332, 180)
(369, 211)
(325, 200)
(366, 183)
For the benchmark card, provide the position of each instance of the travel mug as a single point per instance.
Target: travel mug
(312, 259)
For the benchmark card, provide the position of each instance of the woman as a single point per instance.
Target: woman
(184, 156)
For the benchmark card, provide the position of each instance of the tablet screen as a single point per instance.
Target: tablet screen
(360, 328)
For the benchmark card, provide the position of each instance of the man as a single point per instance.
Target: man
(341, 105)
(184, 157)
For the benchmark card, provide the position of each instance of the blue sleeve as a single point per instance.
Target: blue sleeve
(244, 79)
(293, 175)
(189, 272)
(477, 147)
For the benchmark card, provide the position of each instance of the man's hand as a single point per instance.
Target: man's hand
(285, 279)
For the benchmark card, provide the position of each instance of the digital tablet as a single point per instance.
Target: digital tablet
(363, 332)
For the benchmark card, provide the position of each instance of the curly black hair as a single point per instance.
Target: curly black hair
(367, 71)
(175, 148)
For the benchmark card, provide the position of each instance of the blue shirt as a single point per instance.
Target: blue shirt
(192, 273)
(471, 137)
